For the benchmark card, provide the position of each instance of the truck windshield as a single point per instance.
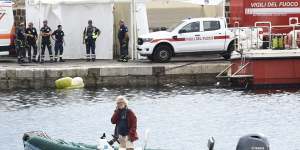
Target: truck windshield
(174, 26)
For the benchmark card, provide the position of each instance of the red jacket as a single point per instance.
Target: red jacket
(132, 123)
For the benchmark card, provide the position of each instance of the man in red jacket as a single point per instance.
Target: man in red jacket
(126, 124)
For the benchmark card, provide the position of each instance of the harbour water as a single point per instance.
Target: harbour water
(179, 118)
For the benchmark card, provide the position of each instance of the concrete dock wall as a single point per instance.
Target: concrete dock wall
(104, 76)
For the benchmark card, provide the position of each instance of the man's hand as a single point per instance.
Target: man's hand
(129, 139)
(117, 109)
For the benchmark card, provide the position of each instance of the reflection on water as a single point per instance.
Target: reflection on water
(178, 117)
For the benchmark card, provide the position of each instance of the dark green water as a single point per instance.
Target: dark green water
(177, 117)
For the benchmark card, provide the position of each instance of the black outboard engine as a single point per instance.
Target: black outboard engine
(253, 142)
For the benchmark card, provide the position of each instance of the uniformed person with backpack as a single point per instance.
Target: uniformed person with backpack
(21, 42)
(123, 41)
(32, 37)
(46, 41)
(90, 36)
(58, 37)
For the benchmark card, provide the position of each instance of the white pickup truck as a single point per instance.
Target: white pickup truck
(189, 37)
(6, 26)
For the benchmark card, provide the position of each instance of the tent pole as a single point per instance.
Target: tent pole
(224, 11)
(39, 35)
(132, 29)
(135, 30)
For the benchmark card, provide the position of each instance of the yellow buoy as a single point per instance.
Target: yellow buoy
(69, 83)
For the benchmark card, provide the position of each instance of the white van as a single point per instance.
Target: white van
(7, 30)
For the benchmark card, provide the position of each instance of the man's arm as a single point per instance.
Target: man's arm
(63, 37)
(98, 32)
(126, 37)
(132, 125)
(115, 117)
(52, 35)
(35, 34)
(83, 37)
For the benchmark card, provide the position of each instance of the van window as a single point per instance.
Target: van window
(192, 27)
(211, 25)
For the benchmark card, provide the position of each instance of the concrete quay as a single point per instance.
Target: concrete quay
(109, 73)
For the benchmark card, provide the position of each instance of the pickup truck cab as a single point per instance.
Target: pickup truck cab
(189, 37)
(7, 32)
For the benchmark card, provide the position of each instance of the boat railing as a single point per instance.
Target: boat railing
(265, 36)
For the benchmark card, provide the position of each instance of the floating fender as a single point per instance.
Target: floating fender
(77, 82)
(69, 83)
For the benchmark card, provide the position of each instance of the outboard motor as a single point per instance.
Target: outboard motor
(253, 142)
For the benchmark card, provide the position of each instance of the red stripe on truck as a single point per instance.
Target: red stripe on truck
(170, 40)
(221, 37)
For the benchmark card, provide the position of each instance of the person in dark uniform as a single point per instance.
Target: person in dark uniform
(123, 41)
(58, 37)
(90, 36)
(21, 42)
(46, 41)
(32, 36)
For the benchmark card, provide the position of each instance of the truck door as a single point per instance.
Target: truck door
(213, 37)
(186, 41)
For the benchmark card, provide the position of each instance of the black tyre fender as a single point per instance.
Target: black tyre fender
(150, 57)
(162, 53)
(230, 49)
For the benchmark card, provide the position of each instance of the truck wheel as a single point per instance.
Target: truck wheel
(227, 55)
(150, 57)
(162, 54)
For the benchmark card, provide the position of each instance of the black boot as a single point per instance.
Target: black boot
(61, 60)
(121, 58)
(93, 59)
(19, 61)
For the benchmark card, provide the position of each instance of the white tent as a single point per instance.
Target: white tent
(198, 2)
(73, 15)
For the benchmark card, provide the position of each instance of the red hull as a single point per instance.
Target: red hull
(268, 71)
(278, 12)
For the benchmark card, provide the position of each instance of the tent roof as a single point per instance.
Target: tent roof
(69, 1)
(198, 2)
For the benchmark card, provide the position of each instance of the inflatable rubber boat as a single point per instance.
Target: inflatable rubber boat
(38, 140)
